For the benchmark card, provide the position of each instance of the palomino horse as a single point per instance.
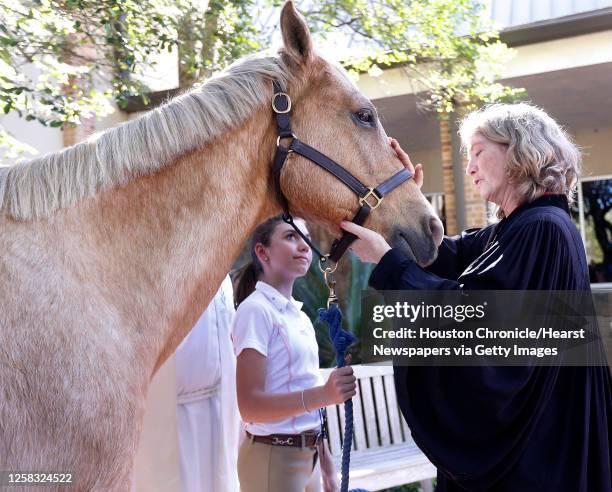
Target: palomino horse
(111, 249)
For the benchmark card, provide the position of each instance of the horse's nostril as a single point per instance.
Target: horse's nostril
(436, 230)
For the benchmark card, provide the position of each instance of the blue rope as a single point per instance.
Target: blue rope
(342, 340)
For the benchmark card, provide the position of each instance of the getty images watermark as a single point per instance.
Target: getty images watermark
(512, 328)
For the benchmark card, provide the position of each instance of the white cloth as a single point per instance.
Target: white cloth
(277, 328)
(207, 412)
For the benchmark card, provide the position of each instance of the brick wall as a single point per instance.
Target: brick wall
(448, 183)
(475, 207)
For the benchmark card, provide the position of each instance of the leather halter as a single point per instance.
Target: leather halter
(369, 198)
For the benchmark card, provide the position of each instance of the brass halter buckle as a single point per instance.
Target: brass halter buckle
(371, 193)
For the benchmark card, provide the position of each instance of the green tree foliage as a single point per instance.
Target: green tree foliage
(212, 38)
(449, 47)
(61, 61)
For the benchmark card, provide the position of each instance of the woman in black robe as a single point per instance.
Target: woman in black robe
(506, 429)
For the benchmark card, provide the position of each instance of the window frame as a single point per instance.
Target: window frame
(581, 221)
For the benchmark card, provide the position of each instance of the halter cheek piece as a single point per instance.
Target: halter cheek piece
(369, 198)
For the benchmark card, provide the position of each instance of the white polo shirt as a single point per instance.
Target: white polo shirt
(278, 329)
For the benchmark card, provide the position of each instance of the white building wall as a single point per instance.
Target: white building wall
(548, 56)
(509, 13)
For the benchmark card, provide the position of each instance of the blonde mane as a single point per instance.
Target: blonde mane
(43, 185)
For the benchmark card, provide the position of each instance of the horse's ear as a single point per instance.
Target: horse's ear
(296, 36)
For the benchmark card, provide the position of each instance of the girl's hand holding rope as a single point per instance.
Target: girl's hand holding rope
(341, 384)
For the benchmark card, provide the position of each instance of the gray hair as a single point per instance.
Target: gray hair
(541, 156)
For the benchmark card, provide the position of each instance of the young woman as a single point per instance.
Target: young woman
(280, 389)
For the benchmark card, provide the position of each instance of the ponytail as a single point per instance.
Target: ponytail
(245, 281)
(247, 276)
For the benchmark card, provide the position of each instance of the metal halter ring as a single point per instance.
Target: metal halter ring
(325, 268)
(281, 111)
(278, 139)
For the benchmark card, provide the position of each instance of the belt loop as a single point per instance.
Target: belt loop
(251, 437)
(303, 440)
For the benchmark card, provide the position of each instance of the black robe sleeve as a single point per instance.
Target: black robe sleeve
(396, 271)
(457, 252)
(508, 429)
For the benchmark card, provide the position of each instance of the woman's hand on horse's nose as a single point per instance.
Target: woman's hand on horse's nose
(369, 246)
(417, 170)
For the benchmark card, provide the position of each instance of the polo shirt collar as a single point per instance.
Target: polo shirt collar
(278, 300)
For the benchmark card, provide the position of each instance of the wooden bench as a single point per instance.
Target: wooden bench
(383, 454)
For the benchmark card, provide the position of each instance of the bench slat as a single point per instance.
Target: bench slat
(394, 414)
(368, 371)
(381, 410)
(404, 425)
(370, 415)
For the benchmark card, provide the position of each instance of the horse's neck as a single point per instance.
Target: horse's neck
(170, 238)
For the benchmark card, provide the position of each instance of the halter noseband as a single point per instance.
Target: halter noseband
(369, 198)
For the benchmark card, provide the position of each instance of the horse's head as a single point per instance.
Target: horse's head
(331, 115)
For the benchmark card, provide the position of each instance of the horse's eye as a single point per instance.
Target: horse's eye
(365, 116)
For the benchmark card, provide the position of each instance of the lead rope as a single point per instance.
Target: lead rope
(341, 341)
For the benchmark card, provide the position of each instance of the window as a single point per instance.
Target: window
(593, 216)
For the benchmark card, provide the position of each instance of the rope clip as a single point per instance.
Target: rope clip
(331, 285)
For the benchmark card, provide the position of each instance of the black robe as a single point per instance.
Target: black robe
(508, 429)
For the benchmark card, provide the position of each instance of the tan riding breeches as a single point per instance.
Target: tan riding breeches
(266, 468)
